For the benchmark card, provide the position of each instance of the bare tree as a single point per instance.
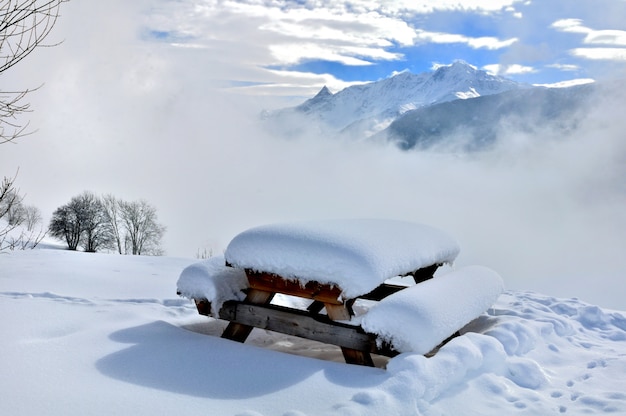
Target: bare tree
(24, 24)
(18, 222)
(82, 221)
(96, 232)
(32, 217)
(65, 225)
(143, 232)
(9, 199)
(14, 213)
(111, 207)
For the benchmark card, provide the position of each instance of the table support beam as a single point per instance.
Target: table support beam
(352, 356)
(239, 332)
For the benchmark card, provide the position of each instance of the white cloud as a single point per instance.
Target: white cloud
(293, 82)
(512, 69)
(291, 54)
(599, 37)
(611, 38)
(570, 25)
(519, 69)
(606, 37)
(484, 42)
(370, 28)
(431, 6)
(568, 83)
(255, 35)
(609, 54)
(294, 53)
(564, 67)
(514, 12)
(352, 33)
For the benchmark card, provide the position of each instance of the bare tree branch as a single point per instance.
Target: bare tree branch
(24, 25)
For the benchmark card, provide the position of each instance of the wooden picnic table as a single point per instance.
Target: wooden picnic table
(333, 265)
(257, 311)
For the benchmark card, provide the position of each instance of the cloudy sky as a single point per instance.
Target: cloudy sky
(160, 100)
(284, 46)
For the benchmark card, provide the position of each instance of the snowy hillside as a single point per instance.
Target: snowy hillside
(368, 108)
(106, 334)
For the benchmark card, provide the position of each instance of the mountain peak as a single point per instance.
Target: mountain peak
(324, 92)
(320, 98)
(456, 68)
(459, 63)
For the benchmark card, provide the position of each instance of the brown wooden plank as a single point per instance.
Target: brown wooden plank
(203, 306)
(382, 291)
(425, 273)
(353, 356)
(315, 307)
(337, 312)
(299, 323)
(360, 356)
(237, 331)
(311, 290)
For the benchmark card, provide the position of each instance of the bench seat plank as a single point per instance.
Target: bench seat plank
(301, 324)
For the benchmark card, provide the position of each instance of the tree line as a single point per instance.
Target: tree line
(108, 223)
(88, 221)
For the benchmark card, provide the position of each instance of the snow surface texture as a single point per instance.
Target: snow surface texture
(210, 279)
(86, 333)
(356, 255)
(419, 318)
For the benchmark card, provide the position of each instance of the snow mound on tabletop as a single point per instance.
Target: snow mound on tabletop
(419, 318)
(357, 254)
(212, 280)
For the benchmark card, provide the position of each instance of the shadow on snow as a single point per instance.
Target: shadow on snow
(166, 357)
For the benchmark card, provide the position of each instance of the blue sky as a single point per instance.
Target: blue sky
(294, 47)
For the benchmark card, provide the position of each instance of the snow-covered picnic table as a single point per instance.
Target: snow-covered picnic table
(334, 264)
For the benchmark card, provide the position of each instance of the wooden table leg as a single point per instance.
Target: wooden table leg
(240, 332)
(352, 356)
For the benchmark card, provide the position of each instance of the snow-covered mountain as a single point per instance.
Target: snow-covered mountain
(477, 123)
(363, 110)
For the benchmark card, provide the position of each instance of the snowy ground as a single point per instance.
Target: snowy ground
(106, 334)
